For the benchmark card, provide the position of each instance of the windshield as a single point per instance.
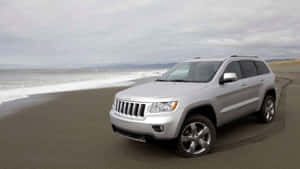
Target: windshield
(202, 71)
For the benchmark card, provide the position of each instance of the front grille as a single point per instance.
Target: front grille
(130, 108)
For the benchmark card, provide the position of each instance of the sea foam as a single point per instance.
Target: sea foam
(113, 81)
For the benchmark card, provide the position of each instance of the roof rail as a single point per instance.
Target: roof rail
(244, 56)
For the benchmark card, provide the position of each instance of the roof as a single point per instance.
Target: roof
(197, 59)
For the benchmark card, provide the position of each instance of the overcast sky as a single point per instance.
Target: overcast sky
(80, 32)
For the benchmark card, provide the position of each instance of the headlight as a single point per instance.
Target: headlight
(163, 106)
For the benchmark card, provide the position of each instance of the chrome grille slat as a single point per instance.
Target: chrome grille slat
(122, 107)
(130, 108)
(134, 105)
(139, 110)
(136, 109)
(117, 104)
(119, 107)
(125, 108)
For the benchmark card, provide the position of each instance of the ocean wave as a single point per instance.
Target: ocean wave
(114, 81)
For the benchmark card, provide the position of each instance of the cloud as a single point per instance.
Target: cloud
(122, 6)
(144, 31)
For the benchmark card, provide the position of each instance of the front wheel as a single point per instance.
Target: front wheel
(197, 136)
(268, 109)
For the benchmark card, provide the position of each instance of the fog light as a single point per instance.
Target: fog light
(158, 128)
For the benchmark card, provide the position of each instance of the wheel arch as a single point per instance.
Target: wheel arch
(206, 110)
(271, 92)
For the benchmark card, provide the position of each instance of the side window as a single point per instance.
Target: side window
(234, 67)
(261, 67)
(248, 68)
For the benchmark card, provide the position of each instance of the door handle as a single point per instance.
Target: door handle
(243, 84)
(262, 80)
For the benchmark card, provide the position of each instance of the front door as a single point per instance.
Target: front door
(232, 96)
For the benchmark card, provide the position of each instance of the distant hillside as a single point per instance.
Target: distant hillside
(11, 66)
(279, 59)
(133, 66)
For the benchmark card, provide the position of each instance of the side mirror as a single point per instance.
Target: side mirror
(228, 77)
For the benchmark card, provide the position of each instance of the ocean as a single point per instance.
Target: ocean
(17, 84)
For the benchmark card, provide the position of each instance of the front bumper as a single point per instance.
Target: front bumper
(144, 127)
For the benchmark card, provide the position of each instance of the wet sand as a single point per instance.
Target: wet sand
(72, 130)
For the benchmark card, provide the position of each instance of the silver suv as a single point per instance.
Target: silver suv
(192, 99)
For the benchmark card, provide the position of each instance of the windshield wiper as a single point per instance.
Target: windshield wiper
(161, 80)
(178, 80)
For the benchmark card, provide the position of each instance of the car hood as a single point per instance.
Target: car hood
(162, 90)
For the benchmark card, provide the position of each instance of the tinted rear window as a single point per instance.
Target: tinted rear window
(248, 68)
(261, 67)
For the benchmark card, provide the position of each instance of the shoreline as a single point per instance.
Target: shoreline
(12, 90)
(11, 107)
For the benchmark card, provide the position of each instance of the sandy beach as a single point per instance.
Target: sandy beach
(72, 130)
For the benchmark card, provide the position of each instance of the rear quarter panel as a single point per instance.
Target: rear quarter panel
(269, 83)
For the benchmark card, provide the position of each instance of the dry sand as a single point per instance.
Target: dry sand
(286, 63)
(72, 130)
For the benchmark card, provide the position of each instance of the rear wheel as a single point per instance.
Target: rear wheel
(268, 109)
(197, 136)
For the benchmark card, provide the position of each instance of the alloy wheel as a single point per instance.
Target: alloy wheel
(196, 138)
(269, 110)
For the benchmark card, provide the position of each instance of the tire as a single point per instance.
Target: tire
(197, 136)
(268, 109)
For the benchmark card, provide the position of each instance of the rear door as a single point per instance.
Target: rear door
(251, 84)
